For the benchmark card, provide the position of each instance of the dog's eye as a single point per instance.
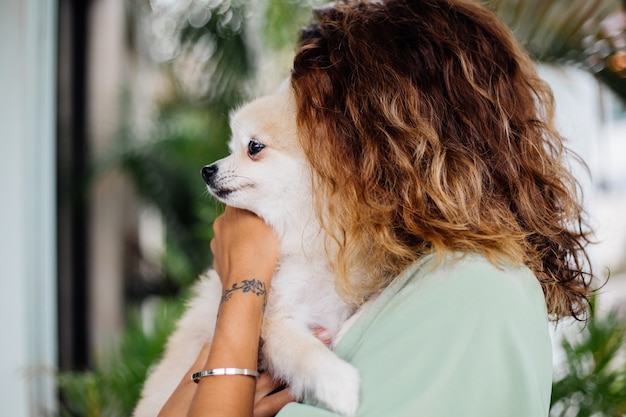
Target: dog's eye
(254, 147)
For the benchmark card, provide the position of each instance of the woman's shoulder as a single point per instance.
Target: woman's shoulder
(454, 291)
(469, 279)
(450, 268)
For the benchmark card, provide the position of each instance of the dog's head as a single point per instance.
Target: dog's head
(266, 171)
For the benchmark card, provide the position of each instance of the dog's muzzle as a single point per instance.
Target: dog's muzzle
(208, 173)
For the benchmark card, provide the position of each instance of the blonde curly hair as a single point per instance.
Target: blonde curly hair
(428, 130)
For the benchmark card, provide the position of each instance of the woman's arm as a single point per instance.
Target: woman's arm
(269, 398)
(246, 255)
(180, 400)
(235, 345)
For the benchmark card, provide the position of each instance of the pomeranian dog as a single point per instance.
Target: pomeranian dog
(267, 173)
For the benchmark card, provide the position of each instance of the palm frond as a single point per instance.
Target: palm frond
(568, 32)
(593, 381)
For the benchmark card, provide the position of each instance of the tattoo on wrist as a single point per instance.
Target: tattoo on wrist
(252, 286)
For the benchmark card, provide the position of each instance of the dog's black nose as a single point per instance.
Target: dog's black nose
(208, 172)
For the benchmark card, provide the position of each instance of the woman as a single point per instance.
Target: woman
(437, 166)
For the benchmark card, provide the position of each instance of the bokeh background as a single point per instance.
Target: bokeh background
(108, 110)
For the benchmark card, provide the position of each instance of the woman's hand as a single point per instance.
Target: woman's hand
(270, 396)
(244, 247)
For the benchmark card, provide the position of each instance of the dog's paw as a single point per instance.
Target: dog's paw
(337, 387)
(291, 353)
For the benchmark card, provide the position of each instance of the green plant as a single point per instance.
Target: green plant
(593, 379)
(113, 386)
(165, 172)
(571, 32)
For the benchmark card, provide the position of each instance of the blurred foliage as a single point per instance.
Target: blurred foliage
(593, 381)
(290, 17)
(558, 30)
(165, 171)
(202, 46)
(113, 387)
(570, 32)
(204, 66)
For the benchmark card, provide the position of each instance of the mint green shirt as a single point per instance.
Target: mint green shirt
(458, 339)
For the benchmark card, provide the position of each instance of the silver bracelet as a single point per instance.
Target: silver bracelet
(196, 377)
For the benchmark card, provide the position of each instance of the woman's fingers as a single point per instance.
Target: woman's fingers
(265, 385)
(270, 405)
(270, 396)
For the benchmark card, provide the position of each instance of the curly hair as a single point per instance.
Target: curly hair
(428, 131)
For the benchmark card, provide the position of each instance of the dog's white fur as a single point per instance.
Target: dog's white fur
(275, 184)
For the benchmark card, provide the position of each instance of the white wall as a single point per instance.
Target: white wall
(27, 207)
(601, 142)
(595, 137)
